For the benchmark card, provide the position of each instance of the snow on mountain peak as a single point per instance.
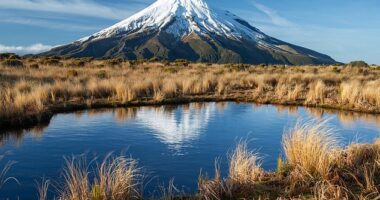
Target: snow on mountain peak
(181, 18)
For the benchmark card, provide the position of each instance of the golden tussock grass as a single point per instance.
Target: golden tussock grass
(31, 91)
(310, 147)
(314, 167)
(116, 178)
(245, 165)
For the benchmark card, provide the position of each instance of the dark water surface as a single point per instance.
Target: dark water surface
(168, 141)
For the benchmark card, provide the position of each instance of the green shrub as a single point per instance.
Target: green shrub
(358, 64)
(12, 63)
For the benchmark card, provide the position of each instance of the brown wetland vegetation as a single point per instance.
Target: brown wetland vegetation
(314, 165)
(33, 89)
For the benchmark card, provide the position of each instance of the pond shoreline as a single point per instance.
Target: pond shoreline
(32, 119)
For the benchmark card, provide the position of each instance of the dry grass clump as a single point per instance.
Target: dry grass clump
(116, 178)
(215, 188)
(244, 179)
(315, 167)
(245, 165)
(310, 147)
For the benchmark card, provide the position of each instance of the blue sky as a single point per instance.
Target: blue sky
(344, 29)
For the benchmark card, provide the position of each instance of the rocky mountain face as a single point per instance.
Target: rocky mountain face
(189, 29)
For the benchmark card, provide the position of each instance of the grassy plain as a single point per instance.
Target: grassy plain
(33, 89)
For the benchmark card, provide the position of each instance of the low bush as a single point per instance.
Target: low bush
(358, 64)
(12, 63)
(4, 56)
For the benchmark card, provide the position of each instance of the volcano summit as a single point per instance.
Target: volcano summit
(189, 29)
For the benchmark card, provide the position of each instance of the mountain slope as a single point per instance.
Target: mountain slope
(189, 29)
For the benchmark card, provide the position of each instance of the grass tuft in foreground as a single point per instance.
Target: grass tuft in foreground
(245, 167)
(116, 178)
(314, 167)
(310, 148)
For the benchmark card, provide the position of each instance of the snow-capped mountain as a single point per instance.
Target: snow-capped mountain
(188, 29)
(181, 18)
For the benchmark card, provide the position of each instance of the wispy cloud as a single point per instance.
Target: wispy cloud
(273, 15)
(22, 50)
(78, 7)
(50, 24)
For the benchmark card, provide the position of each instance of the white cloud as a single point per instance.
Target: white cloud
(51, 24)
(275, 18)
(78, 7)
(22, 50)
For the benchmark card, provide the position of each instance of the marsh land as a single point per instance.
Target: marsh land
(313, 166)
(33, 89)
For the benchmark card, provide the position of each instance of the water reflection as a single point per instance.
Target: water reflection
(124, 115)
(176, 125)
(169, 141)
(292, 110)
(16, 136)
(346, 118)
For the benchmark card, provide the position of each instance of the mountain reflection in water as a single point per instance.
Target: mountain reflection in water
(168, 141)
(176, 124)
